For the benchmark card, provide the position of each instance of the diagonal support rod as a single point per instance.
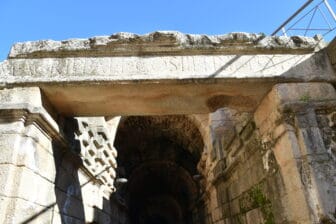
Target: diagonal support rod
(290, 18)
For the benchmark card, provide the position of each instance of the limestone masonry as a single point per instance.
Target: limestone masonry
(169, 128)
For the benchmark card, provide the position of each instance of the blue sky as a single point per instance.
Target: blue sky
(23, 20)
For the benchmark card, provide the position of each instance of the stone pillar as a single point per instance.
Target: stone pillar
(27, 166)
(295, 121)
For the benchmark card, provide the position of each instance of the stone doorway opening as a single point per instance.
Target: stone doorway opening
(159, 156)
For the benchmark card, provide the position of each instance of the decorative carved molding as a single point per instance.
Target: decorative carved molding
(96, 149)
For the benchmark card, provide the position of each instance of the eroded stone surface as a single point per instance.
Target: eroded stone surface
(162, 42)
(179, 84)
(185, 74)
(294, 122)
(303, 67)
(276, 168)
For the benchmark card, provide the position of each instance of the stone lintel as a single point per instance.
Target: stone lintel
(114, 75)
(106, 99)
(164, 43)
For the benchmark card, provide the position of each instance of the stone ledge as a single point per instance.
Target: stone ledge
(31, 107)
(163, 42)
(33, 115)
(293, 97)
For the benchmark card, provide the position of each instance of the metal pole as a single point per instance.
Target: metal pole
(284, 31)
(330, 9)
(290, 18)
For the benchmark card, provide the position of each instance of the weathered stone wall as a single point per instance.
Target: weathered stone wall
(80, 197)
(43, 179)
(86, 171)
(296, 120)
(244, 185)
(278, 166)
(27, 163)
(274, 166)
(331, 51)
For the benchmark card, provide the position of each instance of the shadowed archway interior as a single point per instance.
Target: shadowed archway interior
(159, 155)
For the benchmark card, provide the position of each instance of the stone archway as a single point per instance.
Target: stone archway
(159, 157)
(278, 167)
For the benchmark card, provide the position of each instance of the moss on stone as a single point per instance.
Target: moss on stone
(261, 201)
(305, 98)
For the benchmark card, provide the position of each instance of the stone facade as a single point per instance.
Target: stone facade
(204, 136)
(43, 180)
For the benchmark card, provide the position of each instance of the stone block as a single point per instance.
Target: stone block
(296, 208)
(65, 219)
(112, 125)
(106, 207)
(246, 181)
(252, 145)
(227, 221)
(89, 212)
(21, 95)
(29, 106)
(257, 173)
(234, 189)
(6, 180)
(36, 157)
(213, 199)
(235, 146)
(254, 216)
(217, 214)
(12, 127)
(301, 92)
(90, 194)
(247, 131)
(56, 219)
(65, 179)
(220, 222)
(235, 207)
(311, 141)
(69, 205)
(29, 186)
(101, 217)
(8, 148)
(22, 211)
(39, 136)
(281, 130)
(287, 149)
(267, 113)
(227, 136)
(68, 165)
(219, 168)
(226, 210)
(83, 178)
(213, 154)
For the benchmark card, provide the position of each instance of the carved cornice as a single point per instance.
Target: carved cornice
(164, 43)
(33, 115)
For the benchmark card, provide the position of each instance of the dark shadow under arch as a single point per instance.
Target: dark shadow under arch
(159, 156)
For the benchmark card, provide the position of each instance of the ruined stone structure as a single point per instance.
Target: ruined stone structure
(231, 129)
